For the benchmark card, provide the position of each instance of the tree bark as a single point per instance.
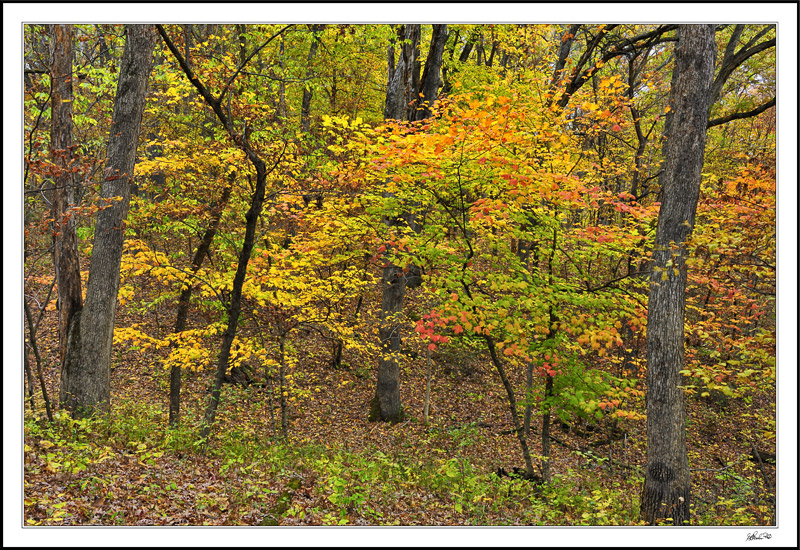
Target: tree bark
(65, 239)
(431, 81)
(305, 108)
(401, 103)
(386, 404)
(86, 372)
(405, 79)
(667, 483)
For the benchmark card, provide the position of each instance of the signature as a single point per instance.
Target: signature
(755, 535)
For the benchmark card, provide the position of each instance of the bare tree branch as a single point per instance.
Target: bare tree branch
(732, 61)
(747, 114)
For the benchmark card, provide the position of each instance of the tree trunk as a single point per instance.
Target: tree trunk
(35, 347)
(512, 405)
(234, 305)
(431, 81)
(548, 393)
(404, 81)
(386, 404)
(65, 240)
(86, 372)
(563, 53)
(667, 484)
(186, 296)
(401, 98)
(305, 108)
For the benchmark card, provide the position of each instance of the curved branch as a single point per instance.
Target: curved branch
(747, 114)
(732, 61)
(247, 60)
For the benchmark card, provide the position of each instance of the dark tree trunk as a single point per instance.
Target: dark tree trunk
(563, 53)
(305, 108)
(65, 240)
(431, 80)
(197, 261)
(234, 305)
(86, 373)
(548, 393)
(467, 49)
(512, 404)
(667, 484)
(401, 101)
(185, 298)
(35, 348)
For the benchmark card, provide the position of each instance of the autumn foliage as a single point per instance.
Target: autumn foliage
(534, 226)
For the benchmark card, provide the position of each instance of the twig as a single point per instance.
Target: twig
(761, 465)
(29, 317)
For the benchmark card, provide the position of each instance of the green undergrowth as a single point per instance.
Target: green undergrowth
(276, 483)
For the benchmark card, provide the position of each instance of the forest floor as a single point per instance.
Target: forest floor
(338, 468)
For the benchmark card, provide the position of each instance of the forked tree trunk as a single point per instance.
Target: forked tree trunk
(65, 240)
(667, 484)
(512, 405)
(86, 372)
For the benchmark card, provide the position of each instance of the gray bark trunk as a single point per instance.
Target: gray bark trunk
(401, 103)
(86, 372)
(386, 405)
(431, 81)
(667, 482)
(405, 80)
(65, 239)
